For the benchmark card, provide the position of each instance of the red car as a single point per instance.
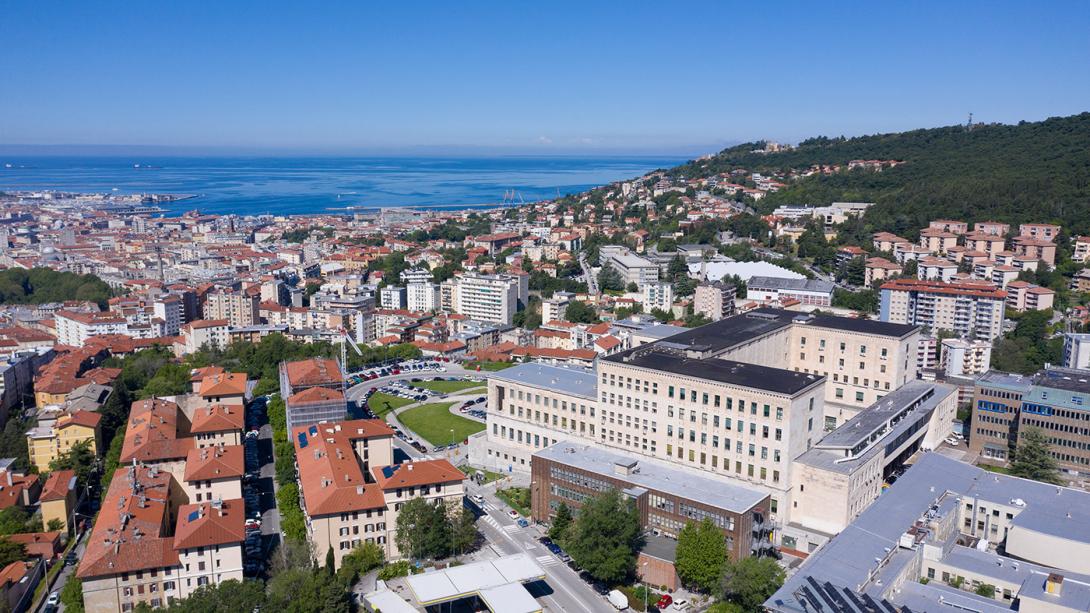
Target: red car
(664, 601)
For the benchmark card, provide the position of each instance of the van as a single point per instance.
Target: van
(618, 600)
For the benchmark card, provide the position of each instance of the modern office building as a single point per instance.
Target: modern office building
(807, 291)
(970, 310)
(949, 536)
(1055, 401)
(632, 268)
(667, 496)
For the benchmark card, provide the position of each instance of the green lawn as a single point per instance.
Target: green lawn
(489, 476)
(518, 498)
(446, 387)
(491, 366)
(434, 422)
(381, 404)
(1003, 470)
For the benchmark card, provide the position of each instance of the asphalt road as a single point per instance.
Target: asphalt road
(563, 590)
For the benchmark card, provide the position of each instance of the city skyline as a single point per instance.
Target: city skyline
(494, 79)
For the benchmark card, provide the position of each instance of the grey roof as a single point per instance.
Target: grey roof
(721, 335)
(652, 475)
(919, 396)
(660, 547)
(850, 557)
(785, 283)
(571, 380)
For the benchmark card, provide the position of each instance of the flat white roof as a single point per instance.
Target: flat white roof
(510, 598)
(388, 602)
(473, 579)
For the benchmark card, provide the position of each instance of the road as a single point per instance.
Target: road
(588, 273)
(564, 590)
(66, 573)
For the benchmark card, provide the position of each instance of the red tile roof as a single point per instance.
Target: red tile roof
(152, 433)
(58, 485)
(415, 474)
(217, 418)
(315, 371)
(223, 384)
(329, 471)
(208, 463)
(207, 523)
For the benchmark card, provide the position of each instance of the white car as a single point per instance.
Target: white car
(952, 441)
(513, 514)
(477, 498)
(681, 605)
(54, 599)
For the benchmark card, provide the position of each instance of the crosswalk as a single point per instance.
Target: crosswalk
(547, 561)
(491, 521)
(512, 528)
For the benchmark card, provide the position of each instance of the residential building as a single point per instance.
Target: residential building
(54, 438)
(1043, 231)
(714, 300)
(1076, 351)
(1036, 249)
(492, 298)
(1082, 249)
(994, 228)
(965, 358)
(393, 297)
(202, 333)
(657, 295)
(352, 491)
(967, 309)
(1023, 296)
(937, 242)
(58, 499)
(422, 297)
(75, 327)
(1054, 400)
(238, 308)
(878, 269)
(554, 308)
(632, 268)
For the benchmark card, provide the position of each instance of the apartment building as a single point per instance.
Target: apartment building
(58, 499)
(393, 297)
(1023, 296)
(964, 358)
(1054, 400)
(138, 553)
(714, 300)
(1082, 249)
(202, 333)
(666, 496)
(422, 297)
(951, 536)
(1043, 231)
(1076, 351)
(937, 241)
(994, 228)
(1036, 249)
(985, 242)
(554, 308)
(967, 309)
(657, 295)
(352, 491)
(936, 269)
(238, 308)
(75, 327)
(878, 269)
(492, 298)
(53, 438)
(170, 310)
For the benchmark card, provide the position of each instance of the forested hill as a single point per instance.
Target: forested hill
(1037, 171)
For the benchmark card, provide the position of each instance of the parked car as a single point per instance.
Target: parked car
(664, 601)
(618, 600)
(478, 499)
(513, 514)
(523, 523)
(681, 605)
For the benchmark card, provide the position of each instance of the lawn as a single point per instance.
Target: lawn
(446, 387)
(1003, 470)
(381, 404)
(434, 422)
(491, 366)
(489, 476)
(518, 498)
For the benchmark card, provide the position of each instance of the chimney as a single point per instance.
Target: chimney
(7, 476)
(1054, 583)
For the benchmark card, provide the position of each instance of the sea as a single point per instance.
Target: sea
(325, 185)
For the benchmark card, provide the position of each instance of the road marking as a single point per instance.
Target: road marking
(547, 561)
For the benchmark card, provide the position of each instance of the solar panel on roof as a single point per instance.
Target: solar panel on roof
(194, 515)
(387, 471)
(314, 430)
(302, 439)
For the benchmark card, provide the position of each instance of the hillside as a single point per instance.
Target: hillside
(1036, 171)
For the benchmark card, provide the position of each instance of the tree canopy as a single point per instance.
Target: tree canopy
(40, 285)
(606, 537)
(1032, 458)
(701, 555)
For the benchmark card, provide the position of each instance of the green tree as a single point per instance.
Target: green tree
(72, 594)
(78, 458)
(364, 558)
(330, 561)
(677, 268)
(606, 537)
(463, 527)
(55, 525)
(701, 555)
(986, 590)
(422, 530)
(226, 597)
(561, 523)
(609, 278)
(11, 551)
(632, 287)
(1033, 458)
(580, 313)
(14, 520)
(751, 581)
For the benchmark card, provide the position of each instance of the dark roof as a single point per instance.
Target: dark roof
(728, 332)
(864, 326)
(775, 380)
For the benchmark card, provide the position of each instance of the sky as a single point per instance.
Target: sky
(531, 78)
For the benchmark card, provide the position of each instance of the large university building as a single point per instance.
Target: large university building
(738, 399)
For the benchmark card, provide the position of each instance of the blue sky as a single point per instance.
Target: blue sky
(546, 77)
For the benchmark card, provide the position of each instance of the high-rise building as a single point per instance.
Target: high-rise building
(970, 310)
(238, 308)
(1077, 351)
(422, 297)
(487, 297)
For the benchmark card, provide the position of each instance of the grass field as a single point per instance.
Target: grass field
(446, 387)
(433, 423)
(381, 404)
(518, 498)
(492, 366)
